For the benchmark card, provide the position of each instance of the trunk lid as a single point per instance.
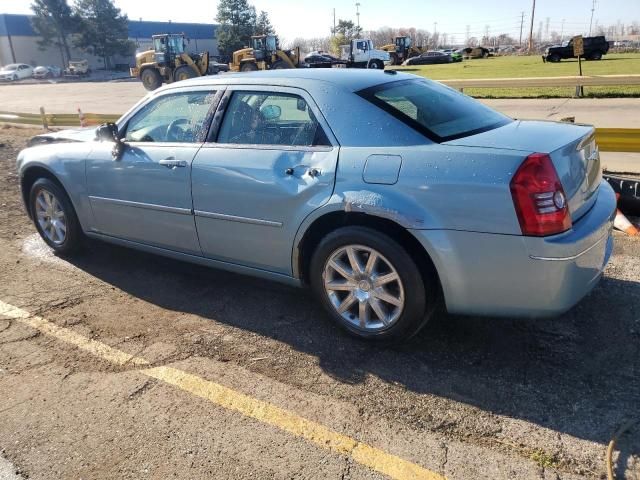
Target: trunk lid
(572, 148)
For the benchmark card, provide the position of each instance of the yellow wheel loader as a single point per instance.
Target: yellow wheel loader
(264, 54)
(168, 62)
(401, 50)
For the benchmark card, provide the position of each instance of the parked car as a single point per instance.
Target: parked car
(321, 59)
(455, 56)
(77, 69)
(16, 71)
(594, 49)
(217, 67)
(430, 196)
(49, 71)
(429, 58)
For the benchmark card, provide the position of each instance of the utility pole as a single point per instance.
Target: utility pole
(533, 14)
(466, 42)
(546, 29)
(435, 39)
(334, 23)
(562, 32)
(521, 25)
(593, 8)
(358, 13)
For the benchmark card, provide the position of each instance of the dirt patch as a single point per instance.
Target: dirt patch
(13, 222)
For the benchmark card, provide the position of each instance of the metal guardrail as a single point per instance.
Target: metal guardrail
(618, 139)
(569, 81)
(46, 120)
(609, 139)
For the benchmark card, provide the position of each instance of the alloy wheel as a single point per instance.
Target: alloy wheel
(363, 287)
(51, 217)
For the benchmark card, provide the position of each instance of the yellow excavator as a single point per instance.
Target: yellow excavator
(168, 62)
(264, 54)
(401, 50)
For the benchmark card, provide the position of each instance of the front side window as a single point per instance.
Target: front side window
(179, 117)
(265, 118)
(438, 112)
(176, 44)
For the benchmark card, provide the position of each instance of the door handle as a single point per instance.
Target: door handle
(173, 163)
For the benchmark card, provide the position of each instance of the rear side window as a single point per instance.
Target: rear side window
(438, 112)
(270, 118)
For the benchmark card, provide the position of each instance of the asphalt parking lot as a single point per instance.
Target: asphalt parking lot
(118, 364)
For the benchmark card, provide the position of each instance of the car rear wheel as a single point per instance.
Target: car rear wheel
(151, 79)
(370, 285)
(596, 56)
(376, 65)
(54, 216)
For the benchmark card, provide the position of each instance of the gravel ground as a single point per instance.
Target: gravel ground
(469, 397)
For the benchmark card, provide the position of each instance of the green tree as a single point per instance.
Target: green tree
(263, 25)
(347, 29)
(103, 29)
(237, 19)
(53, 21)
(343, 33)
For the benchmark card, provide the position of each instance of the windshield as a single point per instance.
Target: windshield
(438, 112)
(11, 67)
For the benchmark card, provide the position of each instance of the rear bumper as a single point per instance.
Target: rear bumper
(509, 275)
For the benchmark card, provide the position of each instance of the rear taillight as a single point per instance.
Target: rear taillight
(539, 199)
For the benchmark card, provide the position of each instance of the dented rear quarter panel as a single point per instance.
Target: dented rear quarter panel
(438, 187)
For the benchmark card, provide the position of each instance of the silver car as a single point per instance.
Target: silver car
(386, 193)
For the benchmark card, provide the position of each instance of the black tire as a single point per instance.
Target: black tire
(248, 67)
(15, 77)
(553, 58)
(395, 60)
(151, 79)
(376, 65)
(184, 72)
(595, 56)
(420, 292)
(279, 65)
(73, 237)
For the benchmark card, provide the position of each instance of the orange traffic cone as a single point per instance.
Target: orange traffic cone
(622, 223)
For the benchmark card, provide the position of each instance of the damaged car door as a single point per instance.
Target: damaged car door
(269, 162)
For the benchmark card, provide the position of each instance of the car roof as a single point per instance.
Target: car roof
(307, 78)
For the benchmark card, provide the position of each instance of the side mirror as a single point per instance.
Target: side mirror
(107, 132)
(301, 105)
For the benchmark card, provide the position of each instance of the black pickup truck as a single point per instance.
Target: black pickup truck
(594, 49)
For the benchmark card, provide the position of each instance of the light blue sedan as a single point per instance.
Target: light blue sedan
(385, 192)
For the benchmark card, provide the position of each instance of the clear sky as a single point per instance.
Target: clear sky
(313, 18)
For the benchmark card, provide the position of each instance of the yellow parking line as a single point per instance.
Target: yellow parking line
(372, 457)
(95, 348)
(321, 436)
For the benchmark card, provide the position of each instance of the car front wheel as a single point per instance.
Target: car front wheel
(54, 216)
(370, 285)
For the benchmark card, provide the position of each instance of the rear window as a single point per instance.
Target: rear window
(438, 112)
